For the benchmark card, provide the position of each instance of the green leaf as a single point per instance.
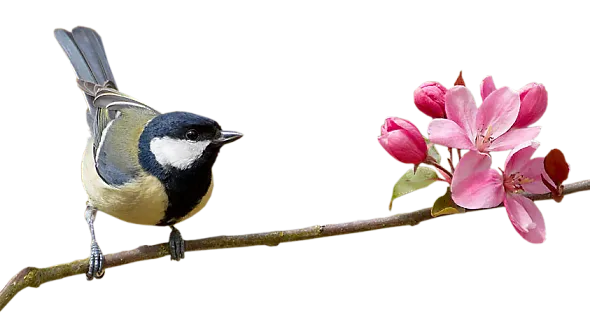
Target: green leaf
(432, 152)
(411, 182)
(445, 205)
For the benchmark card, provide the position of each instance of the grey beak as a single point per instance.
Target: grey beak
(227, 137)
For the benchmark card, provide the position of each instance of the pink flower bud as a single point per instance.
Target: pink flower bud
(403, 141)
(486, 86)
(533, 103)
(430, 99)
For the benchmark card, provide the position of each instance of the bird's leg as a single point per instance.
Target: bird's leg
(96, 263)
(176, 245)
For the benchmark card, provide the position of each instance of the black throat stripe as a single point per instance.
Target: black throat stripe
(185, 191)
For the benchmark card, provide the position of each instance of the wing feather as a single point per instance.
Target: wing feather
(119, 123)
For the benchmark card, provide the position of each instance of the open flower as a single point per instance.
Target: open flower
(403, 141)
(484, 129)
(476, 186)
(430, 99)
(533, 101)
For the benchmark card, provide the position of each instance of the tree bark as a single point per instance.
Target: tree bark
(34, 277)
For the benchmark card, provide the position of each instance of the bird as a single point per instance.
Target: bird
(140, 166)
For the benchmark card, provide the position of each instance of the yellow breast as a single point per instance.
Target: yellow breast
(142, 201)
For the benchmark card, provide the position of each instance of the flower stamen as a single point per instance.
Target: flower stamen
(513, 183)
(483, 141)
(489, 132)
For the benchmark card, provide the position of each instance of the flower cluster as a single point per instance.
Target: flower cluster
(502, 122)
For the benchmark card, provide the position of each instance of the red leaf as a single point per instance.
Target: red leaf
(556, 167)
(459, 81)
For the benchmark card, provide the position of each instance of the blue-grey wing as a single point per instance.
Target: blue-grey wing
(118, 124)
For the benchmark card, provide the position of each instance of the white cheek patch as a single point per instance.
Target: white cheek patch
(177, 153)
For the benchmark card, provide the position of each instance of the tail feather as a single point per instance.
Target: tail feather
(85, 50)
(68, 44)
(86, 53)
(90, 44)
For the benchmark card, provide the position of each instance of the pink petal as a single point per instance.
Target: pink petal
(401, 145)
(461, 109)
(545, 175)
(498, 112)
(411, 128)
(388, 126)
(487, 87)
(525, 217)
(520, 156)
(533, 170)
(387, 146)
(472, 162)
(479, 190)
(448, 133)
(533, 103)
(395, 123)
(513, 138)
(474, 184)
(537, 187)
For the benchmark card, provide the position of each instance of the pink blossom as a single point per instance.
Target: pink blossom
(533, 101)
(487, 87)
(430, 99)
(484, 129)
(403, 141)
(476, 186)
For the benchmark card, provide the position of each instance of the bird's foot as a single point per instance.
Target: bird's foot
(96, 263)
(176, 245)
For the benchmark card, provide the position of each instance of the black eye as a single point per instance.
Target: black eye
(192, 134)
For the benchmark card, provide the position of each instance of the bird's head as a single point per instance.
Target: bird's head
(179, 141)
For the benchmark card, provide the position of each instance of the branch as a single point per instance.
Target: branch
(34, 277)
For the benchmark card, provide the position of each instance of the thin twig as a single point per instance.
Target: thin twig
(451, 164)
(34, 277)
(441, 168)
(451, 159)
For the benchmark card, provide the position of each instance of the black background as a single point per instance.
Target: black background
(313, 93)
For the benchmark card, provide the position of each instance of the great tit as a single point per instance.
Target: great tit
(140, 166)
